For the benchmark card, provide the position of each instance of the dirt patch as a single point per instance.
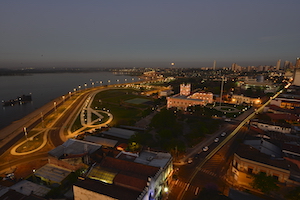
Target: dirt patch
(24, 170)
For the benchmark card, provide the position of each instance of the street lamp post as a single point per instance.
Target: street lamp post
(25, 132)
(54, 103)
(42, 118)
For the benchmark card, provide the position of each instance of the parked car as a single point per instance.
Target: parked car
(190, 160)
(223, 134)
(216, 140)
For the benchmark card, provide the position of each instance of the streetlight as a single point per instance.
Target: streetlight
(54, 103)
(25, 132)
(85, 86)
(42, 118)
(79, 87)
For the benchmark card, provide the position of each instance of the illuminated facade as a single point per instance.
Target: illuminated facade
(186, 99)
(249, 160)
(239, 99)
(185, 89)
(286, 103)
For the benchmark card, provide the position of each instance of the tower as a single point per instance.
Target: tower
(214, 66)
(185, 89)
(278, 65)
(297, 65)
(296, 77)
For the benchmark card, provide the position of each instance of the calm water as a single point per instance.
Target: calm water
(46, 87)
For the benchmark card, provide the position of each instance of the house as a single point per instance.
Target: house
(73, 154)
(248, 160)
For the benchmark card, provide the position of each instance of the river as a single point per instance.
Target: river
(46, 87)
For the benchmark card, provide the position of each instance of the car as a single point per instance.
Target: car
(196, 156)
(190, 160)
(205, 148)
(216, 140)
(223, 134)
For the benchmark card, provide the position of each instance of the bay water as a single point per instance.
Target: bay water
(46, 87)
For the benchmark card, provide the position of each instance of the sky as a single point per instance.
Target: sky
(143, 33)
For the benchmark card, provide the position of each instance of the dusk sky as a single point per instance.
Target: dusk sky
(190, 33)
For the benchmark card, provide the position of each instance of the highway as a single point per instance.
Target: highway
(53, 132)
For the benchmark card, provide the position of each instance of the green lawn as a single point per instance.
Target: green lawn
(122, 103)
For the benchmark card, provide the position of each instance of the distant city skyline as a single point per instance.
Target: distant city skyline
(148, 34)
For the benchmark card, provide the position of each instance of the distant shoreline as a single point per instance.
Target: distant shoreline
(29, 71)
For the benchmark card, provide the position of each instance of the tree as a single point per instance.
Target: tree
(264, 183)
(163, 119)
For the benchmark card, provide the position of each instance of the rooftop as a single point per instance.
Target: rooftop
(52, 173)
(101, 141)
(250, 153)
(129, 167)
(156, 159)
(74, 147)
(119, 132)
(113, 191)
(27, 187)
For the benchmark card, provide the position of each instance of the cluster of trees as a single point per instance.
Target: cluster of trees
(168, 130)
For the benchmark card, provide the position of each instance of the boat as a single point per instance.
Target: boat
(23, 99)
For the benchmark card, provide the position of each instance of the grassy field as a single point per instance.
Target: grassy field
(125, 105)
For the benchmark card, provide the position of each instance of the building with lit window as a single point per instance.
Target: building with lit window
(272, 126)
(186, 98)
(287, 103)
(261, 156)
(239, 99)
(140, 176)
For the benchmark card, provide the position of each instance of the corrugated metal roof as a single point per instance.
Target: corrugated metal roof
(101, 141)
(74, 147)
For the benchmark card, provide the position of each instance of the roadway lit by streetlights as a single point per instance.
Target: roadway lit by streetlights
(231, 135)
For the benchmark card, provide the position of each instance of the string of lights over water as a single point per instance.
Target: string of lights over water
(46, 87)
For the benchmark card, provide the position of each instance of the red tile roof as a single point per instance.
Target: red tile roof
(129, 167)
(130, 182)
(283, 116)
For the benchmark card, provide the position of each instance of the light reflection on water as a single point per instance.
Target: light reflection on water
(46, 87)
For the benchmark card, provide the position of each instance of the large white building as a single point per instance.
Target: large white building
(186, 98)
